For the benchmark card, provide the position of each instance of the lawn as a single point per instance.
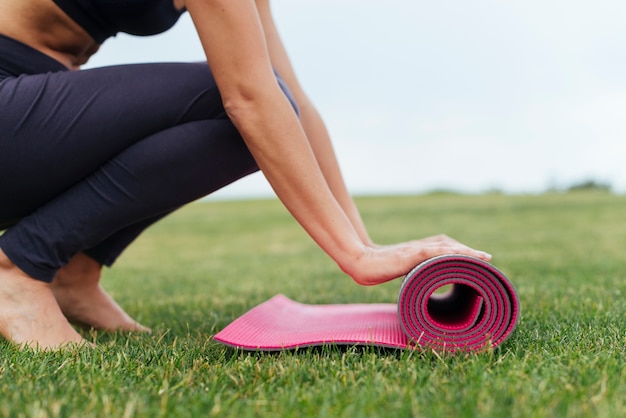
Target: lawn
(199, 269)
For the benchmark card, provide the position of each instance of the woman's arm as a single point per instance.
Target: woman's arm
(311, 121)
(232, 36)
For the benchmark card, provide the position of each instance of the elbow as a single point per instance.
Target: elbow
(242, 99)
(237, 107)
(244, 103)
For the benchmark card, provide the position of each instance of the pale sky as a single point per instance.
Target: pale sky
(462, 95)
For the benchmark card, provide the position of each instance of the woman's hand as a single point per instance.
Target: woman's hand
(379, 264)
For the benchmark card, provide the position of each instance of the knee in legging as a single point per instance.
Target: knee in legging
(287, 92)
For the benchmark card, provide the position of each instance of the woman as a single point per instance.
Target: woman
(89, 159)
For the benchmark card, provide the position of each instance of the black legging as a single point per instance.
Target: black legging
(89, 159)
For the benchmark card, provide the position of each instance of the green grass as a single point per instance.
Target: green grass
(198, 270)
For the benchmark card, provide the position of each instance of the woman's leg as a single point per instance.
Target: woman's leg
(149, 178)
(57, 128)
(193, 180)
(63, 126)
(81, 216)
(117, 167)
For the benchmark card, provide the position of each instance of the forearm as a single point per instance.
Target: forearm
(295, 175)
(322, 147)
(236, 50)
(311, 121)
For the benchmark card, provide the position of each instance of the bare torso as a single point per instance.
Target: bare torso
(42, 25)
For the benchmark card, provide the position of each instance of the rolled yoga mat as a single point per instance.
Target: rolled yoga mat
(478, 310)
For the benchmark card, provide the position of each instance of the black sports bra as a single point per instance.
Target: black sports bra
(105, 18)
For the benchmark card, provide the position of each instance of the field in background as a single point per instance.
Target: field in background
(197, 270)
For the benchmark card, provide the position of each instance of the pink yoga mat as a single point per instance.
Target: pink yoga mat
(480, 310)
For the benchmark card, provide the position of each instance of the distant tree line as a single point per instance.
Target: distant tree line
(589, 185)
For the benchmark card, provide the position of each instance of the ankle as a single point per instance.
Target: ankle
(5, 262)
(82, 271)
(15, 283)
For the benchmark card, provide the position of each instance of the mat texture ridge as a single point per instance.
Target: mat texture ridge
(478, 308)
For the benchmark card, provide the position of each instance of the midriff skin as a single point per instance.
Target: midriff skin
(40, 24)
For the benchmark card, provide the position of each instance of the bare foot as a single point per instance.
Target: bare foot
(84, 302)
(29, 314)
